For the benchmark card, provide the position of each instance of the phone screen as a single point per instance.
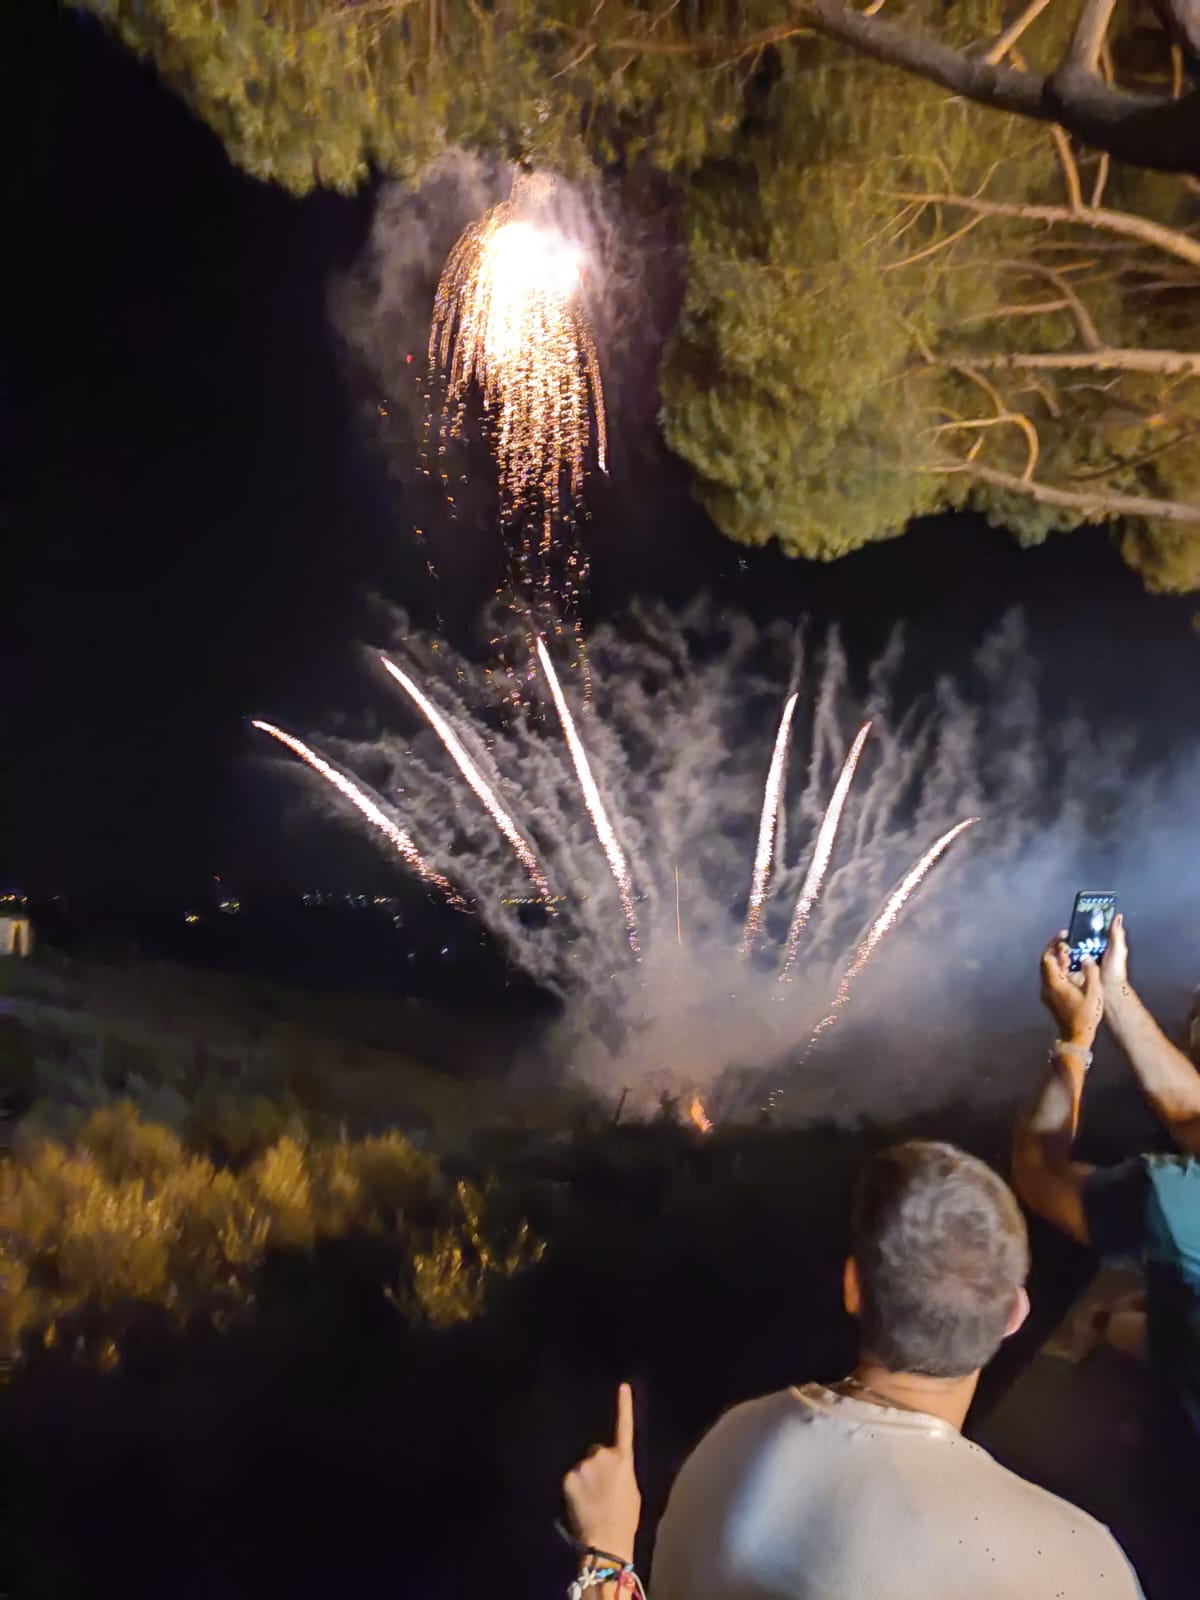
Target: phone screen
(1090, 922)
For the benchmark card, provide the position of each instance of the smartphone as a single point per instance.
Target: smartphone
(1090, 923)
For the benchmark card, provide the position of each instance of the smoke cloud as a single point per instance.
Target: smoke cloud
(680, 737)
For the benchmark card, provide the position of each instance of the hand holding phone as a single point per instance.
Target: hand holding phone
(1091, 922)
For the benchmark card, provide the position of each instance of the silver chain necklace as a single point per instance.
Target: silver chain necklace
(865, 1389)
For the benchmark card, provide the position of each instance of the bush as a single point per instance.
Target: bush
(126, 1212)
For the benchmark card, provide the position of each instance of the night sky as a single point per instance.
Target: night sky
(196, 512)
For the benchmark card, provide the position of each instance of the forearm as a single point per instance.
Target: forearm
(1045, 1175)
(1168, 1079)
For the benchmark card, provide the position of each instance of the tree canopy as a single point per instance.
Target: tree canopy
(896, 300)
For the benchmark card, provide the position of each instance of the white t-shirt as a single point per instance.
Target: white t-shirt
(811, 1495)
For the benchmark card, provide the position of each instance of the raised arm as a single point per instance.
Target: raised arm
(1044, 1174)
(1169, 1080)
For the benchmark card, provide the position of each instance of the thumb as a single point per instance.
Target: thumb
(1091, 980)
(624, 1437)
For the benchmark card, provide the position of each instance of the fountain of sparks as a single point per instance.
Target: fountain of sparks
(625, 817)
(510, 319)
(885, 920)
(368, 806)
(768, 825)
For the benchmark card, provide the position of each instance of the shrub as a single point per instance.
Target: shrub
(125, 1212)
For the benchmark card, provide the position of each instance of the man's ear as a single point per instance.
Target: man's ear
(1020, 1310)
(851, 1293)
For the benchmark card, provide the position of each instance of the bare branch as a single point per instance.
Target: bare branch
(938, 244)
(1160, 363)
(1137, 461)
(1151, 130)
(1097, 506)
(1122, 222)
(1013, 32)
(1035, 308)
(1004, 413)
(1036, 386)
(1066, 159)
(1083, 53)
(1083, 320)
(1013, 417)
(1101, 180)
(723, 50)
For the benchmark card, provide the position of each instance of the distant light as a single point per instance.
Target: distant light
(191, 917)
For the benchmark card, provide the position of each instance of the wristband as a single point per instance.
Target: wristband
(1064, 1045)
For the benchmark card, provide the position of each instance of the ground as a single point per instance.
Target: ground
(331, 1432)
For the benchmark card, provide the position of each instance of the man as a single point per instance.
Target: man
(867, 1489)
(1147, 1209)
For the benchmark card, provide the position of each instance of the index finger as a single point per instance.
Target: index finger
(624, 1438)
(1055, 962)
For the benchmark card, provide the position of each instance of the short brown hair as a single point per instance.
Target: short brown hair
(942, 1251)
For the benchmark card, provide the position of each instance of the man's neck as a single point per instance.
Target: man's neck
(947, 1398)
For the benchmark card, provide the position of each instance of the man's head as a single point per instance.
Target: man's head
(940, 1260)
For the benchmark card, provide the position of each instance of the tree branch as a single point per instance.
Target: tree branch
(1035, 308)
(1160, 363)
(1003, 413)
(1013, 32)
(1098, 506)
(1160, 131)
(1070, 167)
(1123, 222)
(1138, 461)
(1148, 130)
(1083, 53)
(1083, 319)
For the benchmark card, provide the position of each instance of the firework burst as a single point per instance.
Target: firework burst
(891, 910)
(618, 866)
(369, 807)
(658, 800)
(509, 316)
(822, 851)
(768, 826)
(475, 779)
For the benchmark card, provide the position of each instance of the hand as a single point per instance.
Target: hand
(602, 1491)
(1114, 963)
(1074, 999)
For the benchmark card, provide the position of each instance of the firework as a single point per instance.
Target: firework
(767, 826)
(371, 809)
(591, 794)
(892, 909)
(822, 851)
(509, 316)
(521, 847)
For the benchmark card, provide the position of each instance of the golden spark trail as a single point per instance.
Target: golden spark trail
(591, 795)
(392, 832)
(892, 909)
(822, 851)
(521, 847)
(509, 316)
(767, 827)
